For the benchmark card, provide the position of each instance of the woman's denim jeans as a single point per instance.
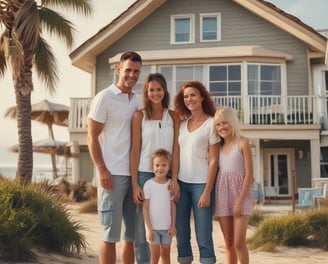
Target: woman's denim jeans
(142, 251)
(189, 197)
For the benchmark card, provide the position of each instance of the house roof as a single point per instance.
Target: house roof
(84, 57)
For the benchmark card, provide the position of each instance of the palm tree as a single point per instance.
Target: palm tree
(23, 47)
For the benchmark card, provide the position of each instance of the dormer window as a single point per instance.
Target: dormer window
(182, 29)
(210, 25)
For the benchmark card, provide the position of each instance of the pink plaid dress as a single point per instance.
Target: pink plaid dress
(229, 182)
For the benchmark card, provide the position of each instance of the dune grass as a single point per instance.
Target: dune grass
(309, 229)
(31, 217)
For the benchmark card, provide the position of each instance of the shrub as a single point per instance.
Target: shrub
(89, 206)
(324, 203)
(256, 218)
(318, 224)
(31, 216)
(82, 191)
(280, 231)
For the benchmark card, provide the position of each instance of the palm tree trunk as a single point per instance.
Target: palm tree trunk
(25, 156)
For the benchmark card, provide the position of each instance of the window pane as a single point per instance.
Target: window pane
(198, 73)
(227, 78)
(234, 73)
(252, 71)
(270, 73)
(184, 73)
(264, 79)
(145, 70)
(167, 72)
(234, 88)
(218, 89)
(218, 73)
(210, 28)
(253, 88)
(187, 73)
(182, 30)
(326, 80)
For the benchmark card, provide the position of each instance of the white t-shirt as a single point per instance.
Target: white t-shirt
(155, 134)
(194, 147)
(114, 109)
(159, 203)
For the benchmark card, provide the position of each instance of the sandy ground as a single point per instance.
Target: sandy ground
(93, 237)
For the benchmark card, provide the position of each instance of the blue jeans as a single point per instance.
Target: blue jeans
(141, 246)
(189, 197)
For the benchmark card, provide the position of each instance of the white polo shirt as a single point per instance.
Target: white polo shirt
(114, 109)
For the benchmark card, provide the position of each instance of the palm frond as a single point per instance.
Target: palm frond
(27, 25)
(3, 61)
(46, 65)
(56, 24)
(78, 6)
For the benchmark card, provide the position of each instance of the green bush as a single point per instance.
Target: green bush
(32, 217)
(280, 231)
(310, 229)
(318, 224)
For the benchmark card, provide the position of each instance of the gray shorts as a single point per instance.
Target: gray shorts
(161, 238)
(114, 206)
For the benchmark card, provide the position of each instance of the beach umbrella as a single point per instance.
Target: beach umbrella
(45, 112)
(48, 113)
(49, 146)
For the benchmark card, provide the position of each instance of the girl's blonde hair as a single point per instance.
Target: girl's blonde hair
(231, 116)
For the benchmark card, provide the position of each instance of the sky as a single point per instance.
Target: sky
(77, 83)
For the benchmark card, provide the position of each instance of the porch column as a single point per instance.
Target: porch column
(315, 158)
(75, 150)
(257, 168)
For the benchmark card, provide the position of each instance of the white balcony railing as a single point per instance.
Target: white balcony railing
(252, 110)
(272, 110)
(78, 114)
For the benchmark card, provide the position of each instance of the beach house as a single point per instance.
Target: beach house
(251, 55)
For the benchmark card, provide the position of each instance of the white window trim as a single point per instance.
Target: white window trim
(192, 28)
(218, 33)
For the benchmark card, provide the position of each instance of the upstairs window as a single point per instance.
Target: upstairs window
(210, 27)
(182, 29)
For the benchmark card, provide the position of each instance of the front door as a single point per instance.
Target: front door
(279, 165)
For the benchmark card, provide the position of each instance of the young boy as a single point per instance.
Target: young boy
(159, 208)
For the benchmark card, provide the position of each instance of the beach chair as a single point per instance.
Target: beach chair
(306, 197)
(270, 192)
(319, 198)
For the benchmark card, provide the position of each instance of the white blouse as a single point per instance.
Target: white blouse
(155, 134)
(194, 147)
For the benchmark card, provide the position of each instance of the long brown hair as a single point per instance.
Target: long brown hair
(208, 104)
(146, 102)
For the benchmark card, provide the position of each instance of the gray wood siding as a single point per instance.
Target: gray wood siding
(239, 27)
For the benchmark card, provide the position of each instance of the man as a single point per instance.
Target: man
(109, 140)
